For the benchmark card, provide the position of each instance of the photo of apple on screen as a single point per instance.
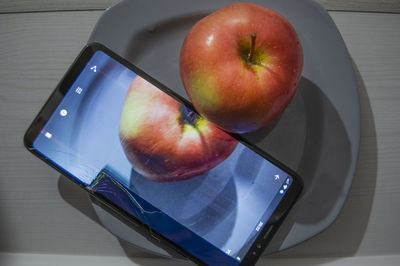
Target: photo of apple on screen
(166, 141)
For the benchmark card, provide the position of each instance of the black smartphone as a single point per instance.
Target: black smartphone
(143, 151)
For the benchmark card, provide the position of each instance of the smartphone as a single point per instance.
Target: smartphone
(142, 150)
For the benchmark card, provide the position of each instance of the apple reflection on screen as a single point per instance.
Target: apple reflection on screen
(164, 140)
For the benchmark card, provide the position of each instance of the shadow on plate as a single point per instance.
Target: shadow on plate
(143, 40)
(310, 138)
(344, 236)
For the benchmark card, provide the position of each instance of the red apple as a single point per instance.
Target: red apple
(240, 66)
(164, 140)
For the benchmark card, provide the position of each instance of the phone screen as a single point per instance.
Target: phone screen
(199, 201)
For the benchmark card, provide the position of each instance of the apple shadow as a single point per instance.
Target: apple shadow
(344, 236)
(311, 138)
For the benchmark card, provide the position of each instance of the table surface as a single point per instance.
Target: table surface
(46, 220)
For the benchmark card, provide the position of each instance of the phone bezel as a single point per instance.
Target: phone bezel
(51, 104)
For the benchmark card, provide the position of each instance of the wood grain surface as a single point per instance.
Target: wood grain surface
(13, 259)
(41, 212)
(6, 6)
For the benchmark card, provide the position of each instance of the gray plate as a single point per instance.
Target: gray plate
(318, 134)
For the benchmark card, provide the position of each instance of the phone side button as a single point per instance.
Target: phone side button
(154, 236)
(269, 230)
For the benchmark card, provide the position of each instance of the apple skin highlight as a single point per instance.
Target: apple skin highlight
(164, 141)
(224, 86)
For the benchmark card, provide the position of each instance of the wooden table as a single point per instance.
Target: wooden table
(45, 220)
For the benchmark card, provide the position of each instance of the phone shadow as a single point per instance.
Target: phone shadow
(81, 201)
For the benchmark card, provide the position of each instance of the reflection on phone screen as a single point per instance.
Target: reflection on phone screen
(152, 156)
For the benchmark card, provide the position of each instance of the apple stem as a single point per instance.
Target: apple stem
(252, 46)
(188, 116)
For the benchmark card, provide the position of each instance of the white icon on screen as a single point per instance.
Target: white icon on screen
(63, 112)
(48, 135)
(285, 186)
(78, 90)
(287, 181)
(259, 225)
(277, 177)
(94, 68)
(228, 252)
(238, 258)
(281, 191)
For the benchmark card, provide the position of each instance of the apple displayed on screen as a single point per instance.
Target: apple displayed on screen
(166, 141)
